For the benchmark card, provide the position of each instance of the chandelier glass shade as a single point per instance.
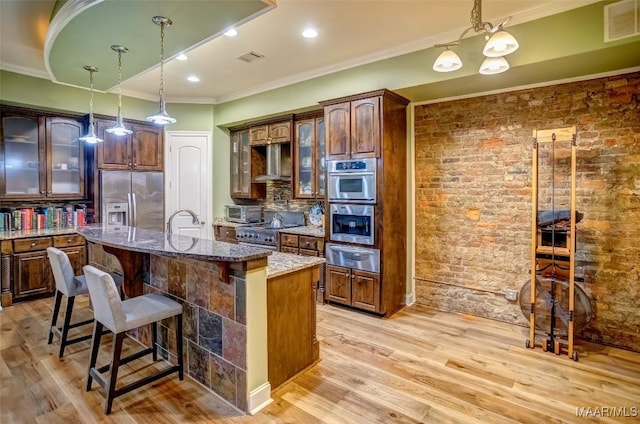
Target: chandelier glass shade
(91, 137)
(500, 43)
(119, 129)
(494, 65)
(161, 117)
(448, 61)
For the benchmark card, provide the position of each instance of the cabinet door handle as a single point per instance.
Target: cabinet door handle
(135, 164)
(68, 240)
(49, 192)
(41, 191)
(130, 164)
(33, 243)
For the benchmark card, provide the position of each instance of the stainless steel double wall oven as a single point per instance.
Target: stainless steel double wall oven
(352, 202)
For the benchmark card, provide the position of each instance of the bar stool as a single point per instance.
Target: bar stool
(120, 316)
(68, 285)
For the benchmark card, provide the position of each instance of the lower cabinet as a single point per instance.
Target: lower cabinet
(306, 246)
(224, 233)
(352, 287)
(31, 273)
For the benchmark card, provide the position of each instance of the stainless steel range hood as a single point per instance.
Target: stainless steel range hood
(278, 163)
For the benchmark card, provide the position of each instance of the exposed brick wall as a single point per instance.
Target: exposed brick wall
(473, 199)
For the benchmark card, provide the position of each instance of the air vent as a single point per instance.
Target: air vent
(621, 20)
(250, 57)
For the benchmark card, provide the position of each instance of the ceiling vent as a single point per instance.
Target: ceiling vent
(251, 56)
(621, 20)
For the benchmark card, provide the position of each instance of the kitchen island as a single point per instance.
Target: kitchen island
(236, 321)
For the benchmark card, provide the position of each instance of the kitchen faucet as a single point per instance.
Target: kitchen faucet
(196, 220)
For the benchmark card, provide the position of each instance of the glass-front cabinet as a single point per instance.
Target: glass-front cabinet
(240, 164)
(41, 157)
(310, 168)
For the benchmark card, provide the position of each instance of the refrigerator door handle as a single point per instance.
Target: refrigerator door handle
(134, 213)
(129, 210)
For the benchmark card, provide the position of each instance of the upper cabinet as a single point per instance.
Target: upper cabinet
(41, 156)
(353, 128)
(277, 132)
(243, 168)
(140, 151)
(309, 165)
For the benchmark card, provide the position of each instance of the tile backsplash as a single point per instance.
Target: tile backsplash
(280, 198)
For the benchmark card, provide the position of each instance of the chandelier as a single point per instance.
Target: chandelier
(500, 43)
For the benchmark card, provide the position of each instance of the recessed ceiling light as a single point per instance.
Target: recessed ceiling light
(231, 33)
(182, 57)
(309, 33)
(193, 78)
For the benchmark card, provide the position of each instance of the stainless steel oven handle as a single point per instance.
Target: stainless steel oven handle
(353, 250)
(350, 174)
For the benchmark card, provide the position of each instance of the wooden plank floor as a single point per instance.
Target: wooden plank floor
(421, 365)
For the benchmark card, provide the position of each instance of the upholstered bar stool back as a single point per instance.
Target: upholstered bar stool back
(69, 285)
(120, 316)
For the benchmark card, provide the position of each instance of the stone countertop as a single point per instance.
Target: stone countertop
(10, 235)
(284, 263)
(225, 223)
(155, 242)
(308, 230)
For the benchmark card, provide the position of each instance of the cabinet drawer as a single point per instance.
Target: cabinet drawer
(287, 249)
(308, 243)
(307, 252)
(289, 240)
(31, 244)
(68, 240)
(227, 234)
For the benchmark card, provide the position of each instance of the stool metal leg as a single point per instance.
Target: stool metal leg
(65, 326)
(154, 340)
(179, 346)
(113, 370)
(54, 317)
(95, 345)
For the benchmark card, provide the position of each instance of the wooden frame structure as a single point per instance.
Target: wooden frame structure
(552, 341)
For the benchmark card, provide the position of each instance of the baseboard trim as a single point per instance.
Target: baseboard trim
(259, 398)
(409, 299)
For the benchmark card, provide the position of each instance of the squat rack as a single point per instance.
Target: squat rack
(552, 341)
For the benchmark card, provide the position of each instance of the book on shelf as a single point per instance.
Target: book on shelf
(42, 217)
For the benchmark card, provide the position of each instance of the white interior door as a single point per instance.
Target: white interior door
(188, 165)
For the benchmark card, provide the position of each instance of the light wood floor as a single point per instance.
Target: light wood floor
(420, 365)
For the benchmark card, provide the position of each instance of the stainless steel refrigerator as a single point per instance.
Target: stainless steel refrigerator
(132, 198)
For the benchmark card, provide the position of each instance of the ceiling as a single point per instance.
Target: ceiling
(351, 33)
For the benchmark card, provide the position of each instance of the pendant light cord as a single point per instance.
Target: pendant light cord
(162, 25)
(91, 97)
(119, 83)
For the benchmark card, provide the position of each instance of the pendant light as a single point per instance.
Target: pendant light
(119, 128)
(161, 117)
(91, 136)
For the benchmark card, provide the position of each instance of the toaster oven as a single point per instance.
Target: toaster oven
(243, 214)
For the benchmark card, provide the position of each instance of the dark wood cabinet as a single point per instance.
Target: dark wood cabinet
(245, 164)
(143, 150)
(224, 233)
(309, 163)
(353, 129)
(373, 125)
(41, 157)
(360, 289)
(277, 132)
(31, 272)
(301, 245)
